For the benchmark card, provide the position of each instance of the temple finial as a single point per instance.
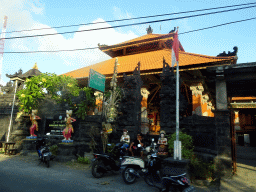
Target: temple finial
(35, 66)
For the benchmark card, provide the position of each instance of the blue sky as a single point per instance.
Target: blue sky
(33, 14)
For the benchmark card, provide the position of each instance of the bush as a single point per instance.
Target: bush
(2, 150)
(54, 149)
(83, 160)
(186, 145)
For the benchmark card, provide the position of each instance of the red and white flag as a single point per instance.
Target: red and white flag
(175, 49)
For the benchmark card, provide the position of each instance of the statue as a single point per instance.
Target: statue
(125, 138)
(162, 142)
(34, 126)
(69, 128)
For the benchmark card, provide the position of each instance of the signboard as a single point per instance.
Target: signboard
(55, 126)
(97, 80)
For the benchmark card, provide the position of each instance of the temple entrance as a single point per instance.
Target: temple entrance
(154, 99)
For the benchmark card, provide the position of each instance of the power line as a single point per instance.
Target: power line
(98, 47)
(126, 25)
(134, 18)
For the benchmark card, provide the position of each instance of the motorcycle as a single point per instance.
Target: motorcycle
(151, 171)
(102, 163)
(43, 152)
(133, 167)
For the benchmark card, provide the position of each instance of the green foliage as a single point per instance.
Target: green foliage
(2, 150)
(186, 144)
(59, 88)
(87, 104)
(54, 149)
(83, 160)
(200, 169)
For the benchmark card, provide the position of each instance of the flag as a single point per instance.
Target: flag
(175, 49)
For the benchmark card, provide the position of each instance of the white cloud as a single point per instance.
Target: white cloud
(80, 40)
(21, 17)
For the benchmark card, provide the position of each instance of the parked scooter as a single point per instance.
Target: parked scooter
(133, 167)
(151, 171)
(103, 163)
(43, 151)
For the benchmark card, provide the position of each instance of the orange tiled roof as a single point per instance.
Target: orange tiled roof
(149, 61)
(144, 37)
(243, 98)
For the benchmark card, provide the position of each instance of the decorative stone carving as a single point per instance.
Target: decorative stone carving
(149, 30)
(197, 90)
(130, 105)
(205, 99)
(224, 54)
(144, 113)
(172, 31)
(17, 74)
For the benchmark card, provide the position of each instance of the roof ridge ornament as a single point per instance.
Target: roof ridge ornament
(172, 31)
(224, 54)
(149, 30)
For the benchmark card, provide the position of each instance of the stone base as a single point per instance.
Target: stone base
(31, 137)
(144, 127)
(175, 167)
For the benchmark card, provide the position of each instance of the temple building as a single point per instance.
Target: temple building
(244, 120)
(150, 50)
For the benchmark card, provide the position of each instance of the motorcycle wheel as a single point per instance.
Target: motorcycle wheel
(96, 172)
(127, 176)
(149, 180)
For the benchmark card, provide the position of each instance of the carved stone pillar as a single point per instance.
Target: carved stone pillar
(168, 100)
(144, 113)
(223, 161)
(130, 105)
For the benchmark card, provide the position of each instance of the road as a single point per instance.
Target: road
(18, 175)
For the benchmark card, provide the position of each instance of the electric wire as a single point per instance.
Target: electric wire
(82, 49)
(134, 18)
(132, 24)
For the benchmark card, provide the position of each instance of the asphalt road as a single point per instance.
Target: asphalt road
(27, 176)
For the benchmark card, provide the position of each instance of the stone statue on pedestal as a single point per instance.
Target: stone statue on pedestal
(125, 138)
(162, 142)
(34, 126)
(69, 128)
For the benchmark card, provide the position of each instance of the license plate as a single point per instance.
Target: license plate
(190, 189)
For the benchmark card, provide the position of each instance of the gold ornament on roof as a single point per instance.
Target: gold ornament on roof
(35, 66)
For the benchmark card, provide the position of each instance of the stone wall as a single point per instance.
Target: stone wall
(203, 131)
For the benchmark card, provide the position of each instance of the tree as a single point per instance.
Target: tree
(59, 88)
